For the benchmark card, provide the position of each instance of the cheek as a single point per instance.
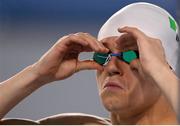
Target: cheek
(144, 91)
(138, 99)
(151, 90)
(146, 83)
(135, 90)
(135, 83)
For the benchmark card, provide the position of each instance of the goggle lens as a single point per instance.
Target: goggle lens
(129, 56)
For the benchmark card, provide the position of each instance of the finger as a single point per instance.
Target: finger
(133, 31)
(106, 50)
(126, 42)
(88, 65)
(93, 43)
(66, 42)
(74, 39)
(125, 39)
(140, 37)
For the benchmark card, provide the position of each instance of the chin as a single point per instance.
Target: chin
(120, 106)
(113, 103)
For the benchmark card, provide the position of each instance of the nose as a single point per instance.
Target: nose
(114, 67)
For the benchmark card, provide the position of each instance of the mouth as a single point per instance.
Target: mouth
(114, 85)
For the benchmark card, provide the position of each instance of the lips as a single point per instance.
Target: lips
(114, 85)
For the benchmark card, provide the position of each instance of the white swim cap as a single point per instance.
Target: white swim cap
(154, 21)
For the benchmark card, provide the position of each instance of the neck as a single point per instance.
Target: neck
(160, 112)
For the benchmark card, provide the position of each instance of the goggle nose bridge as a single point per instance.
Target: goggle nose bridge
(111, 55)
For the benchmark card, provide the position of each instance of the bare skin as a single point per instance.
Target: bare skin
(60, 62)
(128, 93)
(63, 56)
(154, 64)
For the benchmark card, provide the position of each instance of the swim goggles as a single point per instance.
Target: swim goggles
(104, 58)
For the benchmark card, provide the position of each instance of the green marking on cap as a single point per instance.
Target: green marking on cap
(172, 24)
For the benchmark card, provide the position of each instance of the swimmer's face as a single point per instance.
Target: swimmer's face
(124, 88)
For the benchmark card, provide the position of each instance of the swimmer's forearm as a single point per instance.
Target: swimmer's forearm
(169, 84)
(13, 90)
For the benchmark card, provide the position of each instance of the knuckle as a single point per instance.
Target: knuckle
(64, 37)
(135, 29)
(97, 49)
(71, 36)
(126, 27)
(79, 33)
(158, 41)
(87, 34)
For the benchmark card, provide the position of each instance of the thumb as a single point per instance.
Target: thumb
(88, 65)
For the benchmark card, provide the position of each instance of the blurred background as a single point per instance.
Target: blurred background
(28, 28)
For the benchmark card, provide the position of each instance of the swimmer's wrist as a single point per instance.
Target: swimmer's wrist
(38, 78)
(164, 75)
(159, 70)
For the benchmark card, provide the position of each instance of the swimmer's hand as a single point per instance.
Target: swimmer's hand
(151, 52)
(61, 61)
(152, 61)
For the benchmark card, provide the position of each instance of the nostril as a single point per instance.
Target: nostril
(114, 73)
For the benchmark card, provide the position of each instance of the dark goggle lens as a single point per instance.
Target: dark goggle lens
(100, 58)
